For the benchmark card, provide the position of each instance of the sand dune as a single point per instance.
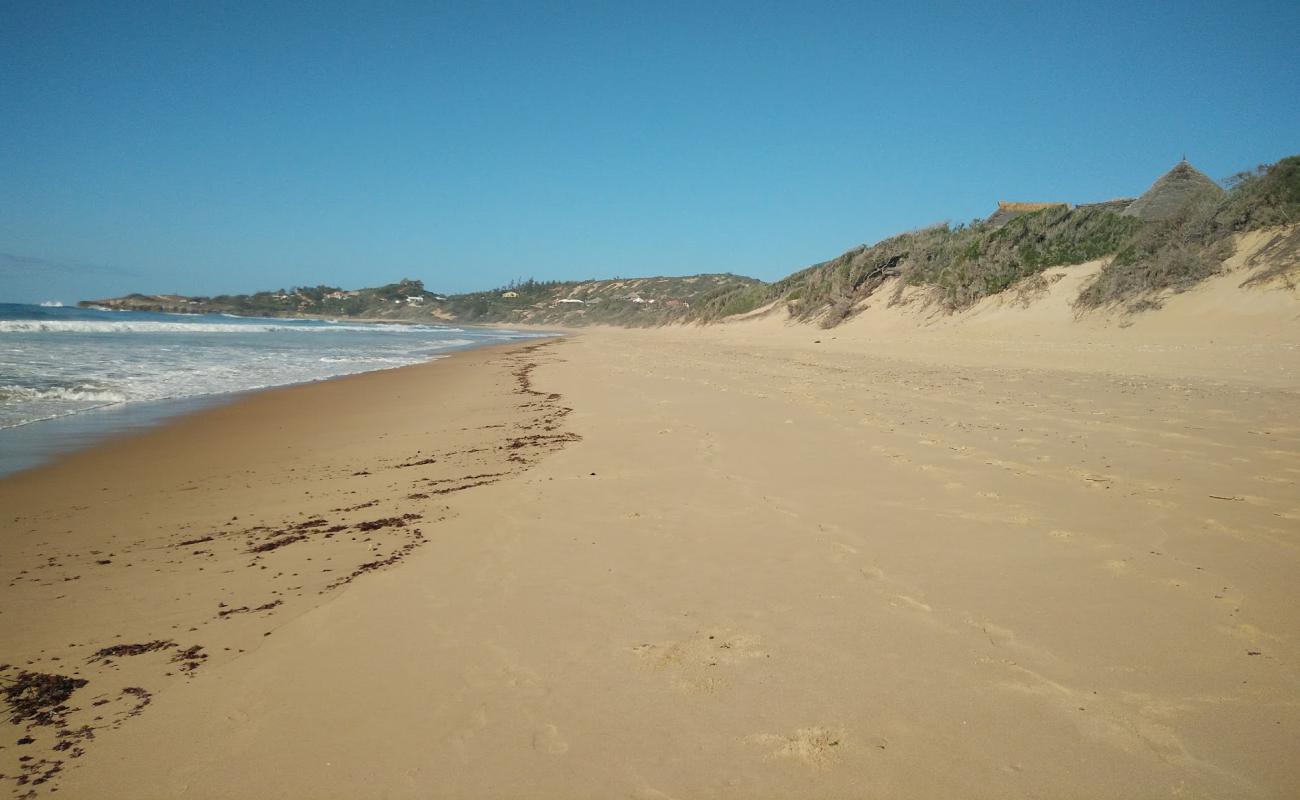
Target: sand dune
(1007, 555)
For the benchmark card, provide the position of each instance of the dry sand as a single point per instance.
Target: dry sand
(1009, 556)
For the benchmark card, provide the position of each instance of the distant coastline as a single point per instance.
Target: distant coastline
(1174, 236)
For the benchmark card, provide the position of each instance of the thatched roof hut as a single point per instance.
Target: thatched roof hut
(1008, 211)
(1174, 191)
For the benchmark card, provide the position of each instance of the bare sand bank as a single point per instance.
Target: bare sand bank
(755, 560)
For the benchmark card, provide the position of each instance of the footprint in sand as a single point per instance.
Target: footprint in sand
(1117, 567)
(817, 748)
(699, 663)
(548, 740)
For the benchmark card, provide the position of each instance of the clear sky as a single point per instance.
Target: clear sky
(224, 147)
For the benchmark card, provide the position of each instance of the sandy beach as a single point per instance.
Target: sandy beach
(1015, 556)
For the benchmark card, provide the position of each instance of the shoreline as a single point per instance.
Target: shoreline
(40, 441)
(53, 438)
(139, 417)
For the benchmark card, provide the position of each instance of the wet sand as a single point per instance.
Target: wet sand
(754, 560)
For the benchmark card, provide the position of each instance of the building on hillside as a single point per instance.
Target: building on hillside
(414, 300)
(1117, 205)
(1173, 192)
(1008, 211)
(510, 294)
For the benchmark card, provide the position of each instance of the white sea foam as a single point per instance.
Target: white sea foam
(363, 360)
(151, 326)
(56, 362)
(77, 394)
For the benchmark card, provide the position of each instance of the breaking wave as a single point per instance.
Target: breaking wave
(76, 394)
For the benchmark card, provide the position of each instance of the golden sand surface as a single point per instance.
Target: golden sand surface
(1013, 555)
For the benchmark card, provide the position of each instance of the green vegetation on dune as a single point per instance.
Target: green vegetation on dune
(729, 300)
(973, 262)
(631, 302)
(1265, 197)
(1170, 254)
(1190, 246)
(961, 264)
(964, 263)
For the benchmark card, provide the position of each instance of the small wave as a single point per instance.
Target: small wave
(79, 394)
(97, 326)
(366, 360)
(51, 304)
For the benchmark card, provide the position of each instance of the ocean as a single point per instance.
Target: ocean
(71, 376)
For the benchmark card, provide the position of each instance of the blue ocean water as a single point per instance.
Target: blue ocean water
(69, 376)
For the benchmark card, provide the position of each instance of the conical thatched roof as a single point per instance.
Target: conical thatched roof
(1176, 189)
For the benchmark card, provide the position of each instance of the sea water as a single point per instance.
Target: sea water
(69, 376)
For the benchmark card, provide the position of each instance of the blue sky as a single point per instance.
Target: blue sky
(225, 147)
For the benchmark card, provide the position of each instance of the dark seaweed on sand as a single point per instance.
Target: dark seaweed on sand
(39, 697)
(120, 650)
